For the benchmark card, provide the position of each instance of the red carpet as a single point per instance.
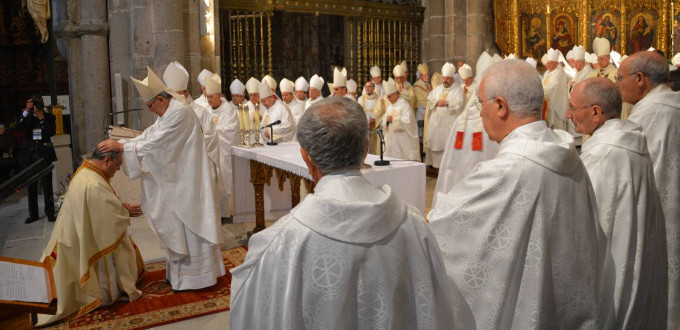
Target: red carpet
(159, 304)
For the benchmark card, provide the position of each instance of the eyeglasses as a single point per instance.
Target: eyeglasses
(479, 103)
(571, 109)
(618, 78)
(152, 102)
(115, 161)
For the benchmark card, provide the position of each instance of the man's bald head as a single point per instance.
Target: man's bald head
(601, 91)
(639, 74)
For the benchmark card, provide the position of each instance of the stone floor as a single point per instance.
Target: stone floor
(27, 241)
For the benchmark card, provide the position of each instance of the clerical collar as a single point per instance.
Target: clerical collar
(92, 167)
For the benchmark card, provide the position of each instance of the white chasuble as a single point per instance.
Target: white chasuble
(283, 132)
(556, 89)
(659, 115)
(630, 214)
(225, 119)
(297, 109)
(440, 120)
(520, 238)
(90, 253)
(178, 194)
(349, 256)
(401, 135)
(309, 102)
(211, 140)
(468, 145)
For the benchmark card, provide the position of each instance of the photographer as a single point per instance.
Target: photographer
(39, 127)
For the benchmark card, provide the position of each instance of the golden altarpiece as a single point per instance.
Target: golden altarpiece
(531, 27)
(301, 38)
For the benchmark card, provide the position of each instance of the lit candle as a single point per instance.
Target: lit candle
(257, 120)
(246, 117)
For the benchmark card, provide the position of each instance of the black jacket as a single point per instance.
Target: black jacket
(31, 149)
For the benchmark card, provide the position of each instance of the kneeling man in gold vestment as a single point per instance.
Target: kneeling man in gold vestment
(94, 260)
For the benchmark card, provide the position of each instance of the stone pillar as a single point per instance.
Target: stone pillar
(85, 31)
(168, 32)
(192, 56)
(455, 30)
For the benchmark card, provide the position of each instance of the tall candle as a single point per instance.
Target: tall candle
(240, 117)
(257, 120)
(246, 117)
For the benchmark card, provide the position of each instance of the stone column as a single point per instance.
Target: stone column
(455, 30)
(85, 31)
(192, 56)
(167, 18)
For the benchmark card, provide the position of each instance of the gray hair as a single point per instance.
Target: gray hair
(334, 132)
(651, 64)
(165, 95)
(100, 155)
(519, 84)
(601, 91)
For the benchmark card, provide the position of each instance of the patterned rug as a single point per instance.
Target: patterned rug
(159, 304)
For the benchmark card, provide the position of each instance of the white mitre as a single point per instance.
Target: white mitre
(375, 71)
(286, 86)
(398, 71)
(570, 55)
(552, 55)
(204, 74)
(151, 86)
(676, 59)
(253, 86)
(512, 56)
(532, 61)
(316, 82)
(213, 85)
(237, 87)
(270, 81)
(339, 77)
(351, 86)
(404, 66)
(615, 57)
(301, 84)
(579, 53)
(265, 90)
(465, 71)
(601, 46)
(389, 87)
(176, 76)
(448, 70)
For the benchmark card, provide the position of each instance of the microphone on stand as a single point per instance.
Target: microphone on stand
(381, 162)
(271, 132)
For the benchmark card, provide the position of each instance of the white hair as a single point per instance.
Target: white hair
(518, 83)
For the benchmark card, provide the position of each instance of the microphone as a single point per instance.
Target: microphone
(272, 124)
(381, 162)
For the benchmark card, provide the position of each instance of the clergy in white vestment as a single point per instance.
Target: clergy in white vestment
(642, 82)
(339, 86)
(301, 87)
(274, 110)
(237, 90)
(176, 77)
(519, 235)
(446, 102)
(203, 100)
(350, 255)
(374, 107)
(629, 209)
(376, 78)
(315, 86)
(582, 68)
(399, 126)
(468, 144)
(421, 90)
(556, 90)
(606, 69)
(404, 87)
(225, 118)
(177, 190)
(253, 88)
(352, 89)
(271, 82)
(296, 107)
(90, 253)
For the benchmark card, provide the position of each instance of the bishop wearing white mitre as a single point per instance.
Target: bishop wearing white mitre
(177, 189)
(274, 110)
(225, 118)
(288, 97)
(399, 126)
(519, 235)
(315, 86)
(176, 77)
(556, 90)
(445, 103)
(468, 143)
(301, 87)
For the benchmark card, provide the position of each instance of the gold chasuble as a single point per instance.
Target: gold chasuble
(93, 259)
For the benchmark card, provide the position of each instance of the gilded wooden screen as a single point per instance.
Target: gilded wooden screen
(531, 27)
(380, 33)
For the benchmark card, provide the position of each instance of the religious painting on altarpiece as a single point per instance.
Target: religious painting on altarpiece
(534, 43)
(642, 30)
(606, 24)
(676, 30)
(564, 33)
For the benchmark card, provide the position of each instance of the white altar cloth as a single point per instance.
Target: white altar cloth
(407, 179)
